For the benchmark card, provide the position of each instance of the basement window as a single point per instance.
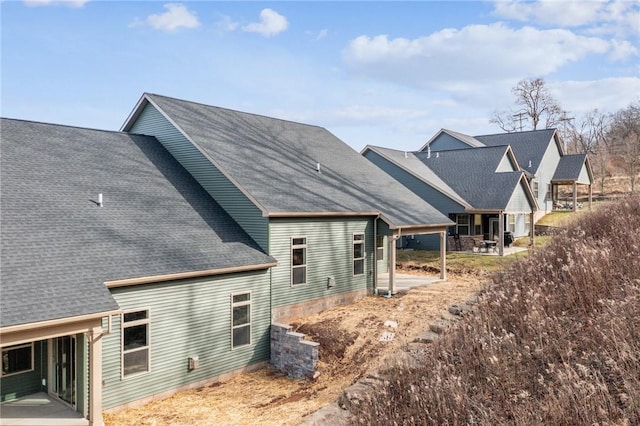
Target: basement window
(17, 359)
(135, 342)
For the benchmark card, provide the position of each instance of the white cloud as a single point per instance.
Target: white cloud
(608, 94)
(226, 24)
(620, 16)
(475, 53)
(70, 3)
(176, 16)
(271, 23)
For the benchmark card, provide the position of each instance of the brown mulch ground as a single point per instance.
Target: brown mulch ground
(349, 347)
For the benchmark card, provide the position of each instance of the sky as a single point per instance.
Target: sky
(390, 74)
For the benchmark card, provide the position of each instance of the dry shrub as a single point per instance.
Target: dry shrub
(555, 340)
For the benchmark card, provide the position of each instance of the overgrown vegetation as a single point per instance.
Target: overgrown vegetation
(554, 340)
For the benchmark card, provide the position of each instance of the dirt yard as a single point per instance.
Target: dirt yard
(349, 347)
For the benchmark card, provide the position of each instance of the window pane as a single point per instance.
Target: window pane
(299, 256)
(463, 219)
(358, 237)
(241, 298)
(241, 336)
(380, 241)
(358, 267)
(241, 315)
(135, 336)
(136, 362)
(299, 241)
(16, 360)
(463, 230)
(357, 251)
(135, 316)
(300, 275)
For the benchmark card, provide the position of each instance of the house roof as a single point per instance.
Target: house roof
(529, 147)
(277, 161)
(59, 247)
(471, 173)
(569, 168)
(469, 140)
(411, 164)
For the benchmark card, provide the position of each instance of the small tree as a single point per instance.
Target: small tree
(625, 140)
(535, 105)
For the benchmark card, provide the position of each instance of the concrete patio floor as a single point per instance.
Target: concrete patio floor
(405, 281)
(39, 409)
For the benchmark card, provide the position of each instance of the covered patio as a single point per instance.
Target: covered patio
(39, 409)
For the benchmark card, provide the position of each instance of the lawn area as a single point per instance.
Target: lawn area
(456, 262)
(556, 219)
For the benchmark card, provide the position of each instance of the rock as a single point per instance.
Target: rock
(428, 337)
(440, 326)
(390, 323)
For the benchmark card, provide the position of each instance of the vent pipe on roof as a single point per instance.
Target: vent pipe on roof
(318, 167)
(405, 155)
(100, 200)
(437, 155)
(529, 163)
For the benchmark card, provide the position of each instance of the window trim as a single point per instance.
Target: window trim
(146, 321)
(380, 247)
(511, 223)
(355, 259)
(15, 347)
(305, 265)
(467, 225)
(249, 324)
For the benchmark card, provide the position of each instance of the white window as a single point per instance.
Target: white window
(462, 224)
(17, 359)
(298, 260)
(380, 247)
(135, 342)
(535, 187)
(241, 319)
(358, 254)
(512, 223)
(527, 223)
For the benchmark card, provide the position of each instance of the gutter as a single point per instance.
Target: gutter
(183, 275)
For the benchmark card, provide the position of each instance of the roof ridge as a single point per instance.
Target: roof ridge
(66, 125)
(237, 111)
(513, 133)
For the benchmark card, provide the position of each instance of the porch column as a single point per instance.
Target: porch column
(443, 255)
(590, 196)
(575, 196)
(95, 377)
(502, 216)
(392, 263)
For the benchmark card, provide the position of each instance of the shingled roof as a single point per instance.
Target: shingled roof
(289, 167)
(59, 247)
(569, 168)
(529, 147)
(471, 173)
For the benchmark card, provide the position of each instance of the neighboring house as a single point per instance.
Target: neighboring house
(482, 190)
(306, 198)
(539, 154)
(102, 304)
(141, 262)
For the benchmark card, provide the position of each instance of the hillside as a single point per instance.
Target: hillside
(554, 340)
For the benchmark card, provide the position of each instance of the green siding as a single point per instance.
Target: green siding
(239, 207)
(329, 254)
(21, 384)
(519, 202)
(188, 318)
(382, 265)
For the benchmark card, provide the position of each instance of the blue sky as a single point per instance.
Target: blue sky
(379, 73)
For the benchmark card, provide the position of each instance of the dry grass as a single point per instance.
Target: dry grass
(349, 347)
(556, 340)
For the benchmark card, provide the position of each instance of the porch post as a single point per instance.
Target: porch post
(392, 263)
(532, 230)
(501, 215)
(443, 255)
(575, 196)
(95, 377)
(590, 196)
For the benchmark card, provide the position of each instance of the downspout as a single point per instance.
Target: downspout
(392, 264)
(375, 253)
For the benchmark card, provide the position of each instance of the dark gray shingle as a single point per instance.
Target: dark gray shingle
(569, 167)
(276, 162)
(59, 247)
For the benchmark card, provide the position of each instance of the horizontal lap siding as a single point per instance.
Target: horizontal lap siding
(329, 253)
(240, 208)
(445, 142)
(519, 202)
(188, 318)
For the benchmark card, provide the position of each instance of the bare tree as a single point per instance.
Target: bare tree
(587, 133)
(625, 140)
(535, 104)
